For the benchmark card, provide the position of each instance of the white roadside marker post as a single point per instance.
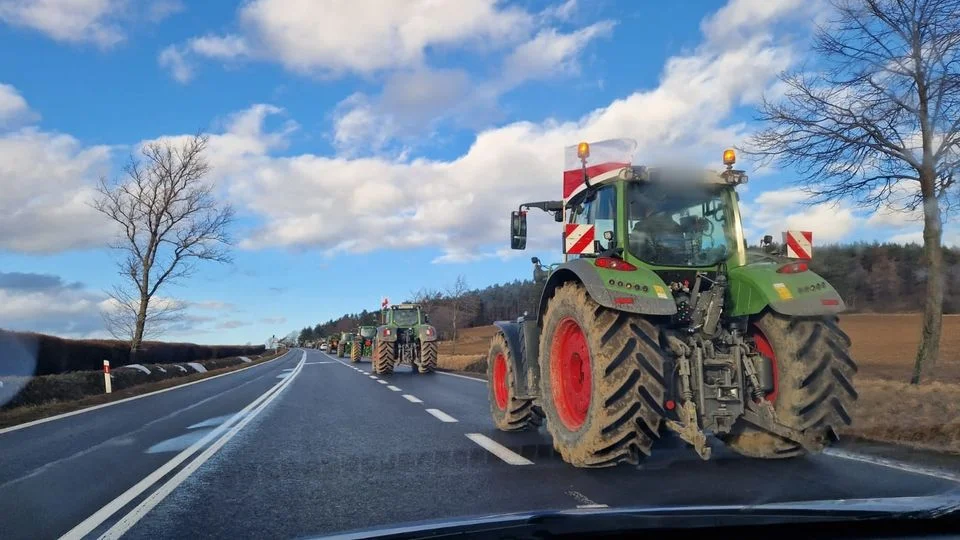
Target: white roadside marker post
(106, 377)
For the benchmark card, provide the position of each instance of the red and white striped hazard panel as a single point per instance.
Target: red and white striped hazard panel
(578, 239)
(799, 244)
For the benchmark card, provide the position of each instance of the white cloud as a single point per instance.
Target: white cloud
(415, 102)
(221, 47)
(365, 36)
(13, 108)
(551, 52)
(46, 303)
(773, 212)
(101, 22)
(46, 180)
(176, 60)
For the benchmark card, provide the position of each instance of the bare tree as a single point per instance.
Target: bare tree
(877, 121)
(169, 220)
(461, 302)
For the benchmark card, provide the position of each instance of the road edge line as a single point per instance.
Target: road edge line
(96, 519)
(61, 416)
(132, 517)
(448, 374)
(892, 464)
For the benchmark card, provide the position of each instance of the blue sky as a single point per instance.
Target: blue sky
(370, 148)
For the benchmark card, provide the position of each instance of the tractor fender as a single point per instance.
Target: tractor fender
(523, 339)
(755, 287)
(583, 271)
(426, 333)
(383, 336)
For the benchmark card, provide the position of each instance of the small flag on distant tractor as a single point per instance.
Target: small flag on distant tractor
(385, 302)
(578, 239)
(799, 244)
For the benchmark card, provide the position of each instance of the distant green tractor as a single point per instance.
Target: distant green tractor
(659, 319)
(345, 340)
(362, 343)
(405, 337)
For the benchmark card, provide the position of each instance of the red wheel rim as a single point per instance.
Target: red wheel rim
(570, 376)
(500, 381)
(763, 346)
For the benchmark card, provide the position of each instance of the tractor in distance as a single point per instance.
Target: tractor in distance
(404, 337)
(332, 341)
(344, 340)
(659, 319)
(362, 343)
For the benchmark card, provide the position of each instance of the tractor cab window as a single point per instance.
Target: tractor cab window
(598, 209)
(676, 226)
(405, 317)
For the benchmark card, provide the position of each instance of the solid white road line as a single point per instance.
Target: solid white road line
(88, 525)
(394, 388)
(155, 498)
(461, 376)
(441, 416)
(411, 399)
(381, 381)
(497, 449)
(124, 400)
(592, 506)
(315, 363)
(892, 464)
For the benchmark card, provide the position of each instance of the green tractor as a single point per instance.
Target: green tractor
(405, 337)
(660, 319)
(362, 343)
(344, 340)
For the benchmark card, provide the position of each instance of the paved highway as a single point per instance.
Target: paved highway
(309, 444)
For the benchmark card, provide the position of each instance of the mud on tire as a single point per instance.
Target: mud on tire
(509, 412)
(356, 351)
(814, 384)
(626, 376)
(428, 357)
(384, 357)
(340, 349)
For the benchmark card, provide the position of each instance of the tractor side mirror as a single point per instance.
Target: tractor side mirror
(518, 230)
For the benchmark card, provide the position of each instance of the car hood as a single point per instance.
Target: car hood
(582, 520)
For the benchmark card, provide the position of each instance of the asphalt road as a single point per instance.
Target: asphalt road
(310, 444)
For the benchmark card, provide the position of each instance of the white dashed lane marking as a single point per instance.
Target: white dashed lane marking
(442, 416)
(394, 388)
(412, 399)
(497, 449)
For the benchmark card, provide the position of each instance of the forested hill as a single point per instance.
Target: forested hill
(882, 278)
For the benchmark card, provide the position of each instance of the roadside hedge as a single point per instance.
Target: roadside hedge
(27, 354)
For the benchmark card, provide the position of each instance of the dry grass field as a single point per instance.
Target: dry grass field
(884, 346)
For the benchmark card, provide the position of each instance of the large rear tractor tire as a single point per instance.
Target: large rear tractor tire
(341, 349)
(384, 357)
(813, 384)
(602, 380)
(509, 412)
(428, 357)
(356, 348)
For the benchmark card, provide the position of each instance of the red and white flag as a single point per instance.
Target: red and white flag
(799, 244)
(385, 302)
(606, 159)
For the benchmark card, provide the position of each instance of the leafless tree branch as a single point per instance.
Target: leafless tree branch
(169, 220)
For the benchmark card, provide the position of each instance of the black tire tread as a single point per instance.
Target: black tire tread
(356, 351)
(622, 423)
(815, 391)
(520, 414)
(384, 357)
(428, 357)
